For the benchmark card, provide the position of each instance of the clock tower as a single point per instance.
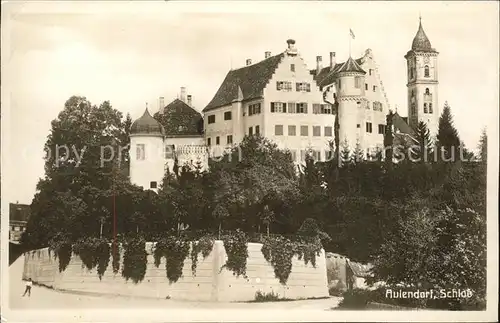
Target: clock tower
(422, 82)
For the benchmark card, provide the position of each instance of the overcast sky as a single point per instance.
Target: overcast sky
(131, 54)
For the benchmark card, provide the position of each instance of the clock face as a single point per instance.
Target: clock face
(426, 60)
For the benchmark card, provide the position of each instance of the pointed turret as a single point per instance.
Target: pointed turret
(351, 66)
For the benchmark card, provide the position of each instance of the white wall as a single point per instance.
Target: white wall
(209, 284)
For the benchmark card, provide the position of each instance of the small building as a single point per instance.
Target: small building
(18, 219)
(357, 274)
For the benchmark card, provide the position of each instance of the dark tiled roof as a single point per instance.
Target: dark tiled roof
(19, 212)
(147, 125)
(400, 124)
(351, 66)
(327, 75)
(179, 119)
(420, 42)
(251, 79)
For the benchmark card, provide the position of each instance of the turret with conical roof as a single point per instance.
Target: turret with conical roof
(147, 150)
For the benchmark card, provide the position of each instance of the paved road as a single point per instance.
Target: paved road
(44, 298)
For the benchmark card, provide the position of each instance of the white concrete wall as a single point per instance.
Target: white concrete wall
(209, 284)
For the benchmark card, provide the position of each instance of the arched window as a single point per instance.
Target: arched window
(427, 91)
(425, 107)
(426, 71)
(430, 107)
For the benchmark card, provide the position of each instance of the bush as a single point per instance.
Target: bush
(355, 298)
(337, 289)
(267, 297)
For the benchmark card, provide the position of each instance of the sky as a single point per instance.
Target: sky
(132, 53)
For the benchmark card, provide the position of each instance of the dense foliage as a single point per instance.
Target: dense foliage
(418, 223)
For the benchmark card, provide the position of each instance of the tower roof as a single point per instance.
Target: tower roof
(351, 66)
(147, 125)
(420, 42)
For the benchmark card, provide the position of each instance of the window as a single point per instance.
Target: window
(358, 126)
(316, 154)
(413, 110)
(229, 139)
(278, 107)
(283, 86)
(426, 71)
(292, 67)
(301, 107)
(328, 131)
(303, 87)
(366, 86)
(381, 128)
(340, 84)
(153, 185)
(304, 131)
(278, 130)
(377, 106)
(217, 140)
(412, 93)
(316, 108)
(430, 107)
(369, 127)
(141, 152)
(16, 229)
(374, 88)
(169, 151)
(427, 92)
(368, 105)
(291, 130)
(357, 82)
(370, 71)
(227, 115)
(250, 131)
(211, 119)
(302, 155)
(257, 130)
(316, 131)
(253, 109)
(209, 142)
(326, 109)
(425, 108)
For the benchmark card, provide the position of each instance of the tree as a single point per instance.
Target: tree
(345, 153)
(424, 149)
(448, 140)
(83, 148)
(483, 147)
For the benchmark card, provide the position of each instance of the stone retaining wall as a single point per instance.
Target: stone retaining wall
(210, 283)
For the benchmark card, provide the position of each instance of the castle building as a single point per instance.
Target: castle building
(277, 98)
(175, 133)
(357, 87)
(281, 99)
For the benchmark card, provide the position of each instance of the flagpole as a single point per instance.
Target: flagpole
(350, 42)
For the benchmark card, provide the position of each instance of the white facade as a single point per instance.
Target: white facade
(147, 160)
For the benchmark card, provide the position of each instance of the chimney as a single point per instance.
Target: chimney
(183, 94)
(291, 44)
(161, 104)
(333, 60)
(249, 62)
(190, 98)
(319, 64)
(267, 54)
